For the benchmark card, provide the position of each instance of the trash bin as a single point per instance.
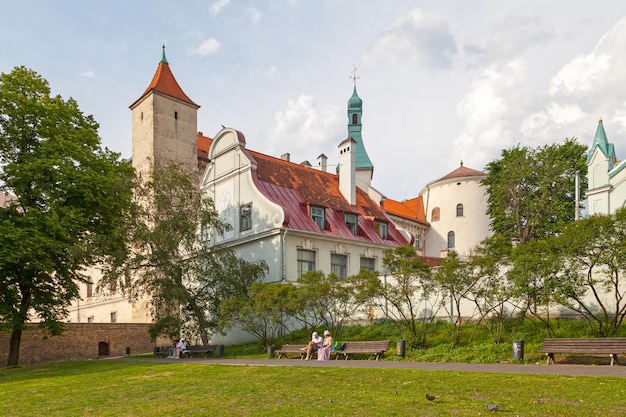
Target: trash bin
(128, 350)
(400, 346)
(518, 350)
(270, 351)
(220, 350)
(156, 351)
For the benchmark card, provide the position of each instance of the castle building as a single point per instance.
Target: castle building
(456, 210)
(606, 190)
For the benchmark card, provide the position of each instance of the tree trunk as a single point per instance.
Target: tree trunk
(14, 346)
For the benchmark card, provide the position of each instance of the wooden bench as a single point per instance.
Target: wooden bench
(207, 350)
(286, 349)
(611, 346)
(377, 348)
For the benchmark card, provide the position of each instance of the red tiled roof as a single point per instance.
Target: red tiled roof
(296, 187)
(462, 172)
(164, 82)
(412, 209)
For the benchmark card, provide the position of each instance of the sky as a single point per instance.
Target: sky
(441, 81)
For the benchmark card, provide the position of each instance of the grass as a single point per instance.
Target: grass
(156, 388)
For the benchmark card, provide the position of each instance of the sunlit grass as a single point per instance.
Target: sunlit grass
(108, 388)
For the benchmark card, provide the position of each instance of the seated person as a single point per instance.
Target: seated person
(323, 353)
(180, 346)
(314, 345)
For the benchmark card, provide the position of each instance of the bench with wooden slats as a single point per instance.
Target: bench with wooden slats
(611, 346)
(286, 349)
(377, 348)
(207, 350)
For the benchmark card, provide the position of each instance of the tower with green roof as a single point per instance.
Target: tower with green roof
(606, 190)
(364, 166)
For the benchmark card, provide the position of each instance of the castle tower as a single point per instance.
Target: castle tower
(364, 166)
(164, 124)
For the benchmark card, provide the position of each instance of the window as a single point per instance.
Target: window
(89, 289)
(381, 229)
(245, 217)
(339, 265)
(418, 241)
(434, 217)
(355, 119)
(176, 115)
(113, 316)
(317, 214)
(90, 319)
(306, 261)
(368, 264)
(459, 210)
(351, 222)
(450, 240)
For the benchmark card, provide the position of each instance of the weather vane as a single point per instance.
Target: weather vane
(354, 77)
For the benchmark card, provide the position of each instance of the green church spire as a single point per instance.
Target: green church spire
(355, 111)
(163, 59)
(601, 141)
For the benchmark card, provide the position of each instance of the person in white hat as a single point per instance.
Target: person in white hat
(314, 345)
(323, 353)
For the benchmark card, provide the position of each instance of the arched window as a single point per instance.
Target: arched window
(434, 216)
(459, 210)
(355, 119)
(450, 240)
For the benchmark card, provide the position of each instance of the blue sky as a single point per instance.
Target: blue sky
(441, 81)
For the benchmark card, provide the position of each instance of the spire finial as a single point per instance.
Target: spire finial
(354, 77)
(163, 59)
(600, 121)
(461, 162)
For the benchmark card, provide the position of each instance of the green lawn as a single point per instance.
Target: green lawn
(110, 388)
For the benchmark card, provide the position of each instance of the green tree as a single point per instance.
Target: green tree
(455, 282)
(174, 262)
(332, 301)
(69, 199)
(265, 312)
(531, 192)
(593, 263)
(534, 273)
(410, 295)
(494, 292)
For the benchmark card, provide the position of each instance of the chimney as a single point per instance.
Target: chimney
(347, 170)
(322, 162)
(285, 156)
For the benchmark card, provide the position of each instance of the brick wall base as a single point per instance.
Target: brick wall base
(79, 341)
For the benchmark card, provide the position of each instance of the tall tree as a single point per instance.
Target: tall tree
(593, 263)
(410, 295)
(531, 192)
(175, 263)
(69, 199)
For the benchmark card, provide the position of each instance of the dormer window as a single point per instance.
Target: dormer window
(317, 214)
(245, 217)
(381, 229)
(351, 222)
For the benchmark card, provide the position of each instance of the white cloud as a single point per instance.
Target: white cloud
(88, 74)
(417, 36)
(218, 5)
(207, 47)
(265, 72)
(254, 14)
(304, 130)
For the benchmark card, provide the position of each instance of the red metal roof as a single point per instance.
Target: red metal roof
(296, 188)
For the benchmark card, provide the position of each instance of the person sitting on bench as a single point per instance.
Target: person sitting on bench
(313, 346)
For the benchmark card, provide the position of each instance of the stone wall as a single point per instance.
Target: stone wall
(79, 341)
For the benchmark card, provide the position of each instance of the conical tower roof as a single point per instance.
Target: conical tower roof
(164, 82)
(601, 141)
